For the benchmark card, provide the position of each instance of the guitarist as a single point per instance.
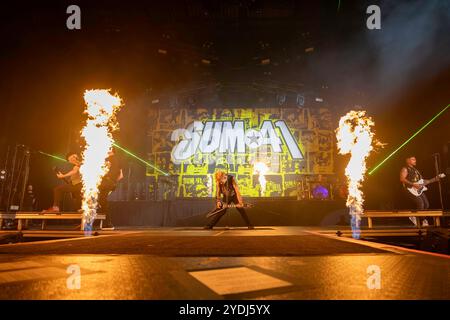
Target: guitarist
(409, 176)
(73, 185)
(227, 187)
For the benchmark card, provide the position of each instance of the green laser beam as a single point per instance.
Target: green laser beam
(52, 156)
(140, 159)
(407, 141)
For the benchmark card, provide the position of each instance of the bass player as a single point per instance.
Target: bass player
(227, 187)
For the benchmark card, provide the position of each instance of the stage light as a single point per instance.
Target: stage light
(407, 141)
(281, 99)
(320, 193)
(300, 100)
(139, 159)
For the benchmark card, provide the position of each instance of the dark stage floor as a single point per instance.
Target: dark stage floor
(183, 263)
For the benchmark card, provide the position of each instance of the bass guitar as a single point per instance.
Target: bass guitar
(226, 206)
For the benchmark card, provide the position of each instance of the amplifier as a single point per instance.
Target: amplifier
(437, 240)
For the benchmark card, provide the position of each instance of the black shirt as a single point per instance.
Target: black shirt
(227, 189)
(413, 175)
(114, 169)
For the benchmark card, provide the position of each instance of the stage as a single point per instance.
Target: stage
(192, 212)
(265, 263)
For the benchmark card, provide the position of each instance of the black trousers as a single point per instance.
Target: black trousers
(420, 202)
(104, 190)
(59, 191)
(218, 216)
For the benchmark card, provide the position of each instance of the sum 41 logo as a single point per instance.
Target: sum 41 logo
(226, 137)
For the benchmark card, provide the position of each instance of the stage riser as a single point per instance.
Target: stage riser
(192, 213)
(437, 240)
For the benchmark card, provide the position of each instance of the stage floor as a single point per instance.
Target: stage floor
(265, 263)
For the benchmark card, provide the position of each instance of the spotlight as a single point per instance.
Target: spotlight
(281, 99)
(300, 100)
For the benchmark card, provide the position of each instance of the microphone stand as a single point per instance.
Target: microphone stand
(5, 180)
(11, 182)
(26, 175)
(227, 222)
(436, 157)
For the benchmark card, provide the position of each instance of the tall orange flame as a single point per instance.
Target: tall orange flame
(101, 110)
(355, 137)
(261, 169)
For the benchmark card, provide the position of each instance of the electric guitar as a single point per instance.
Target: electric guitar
(226, 206)
(423, 183)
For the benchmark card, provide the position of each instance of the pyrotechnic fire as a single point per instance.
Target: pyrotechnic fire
(101, 109)
(260, 168)
(355, 137)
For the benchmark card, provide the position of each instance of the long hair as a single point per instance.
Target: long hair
(218, 175)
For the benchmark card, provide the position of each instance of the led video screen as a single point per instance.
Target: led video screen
(266, 149)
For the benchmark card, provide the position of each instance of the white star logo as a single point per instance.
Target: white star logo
(252, 139)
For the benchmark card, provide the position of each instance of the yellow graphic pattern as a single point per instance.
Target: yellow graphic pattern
(312, 129)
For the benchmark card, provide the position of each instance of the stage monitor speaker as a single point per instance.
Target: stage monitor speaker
(437, 240)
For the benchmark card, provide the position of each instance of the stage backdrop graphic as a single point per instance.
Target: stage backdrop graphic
(275, 145)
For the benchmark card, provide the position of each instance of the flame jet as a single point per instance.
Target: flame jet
(101, 109)
(355, 137)
(261, 169)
